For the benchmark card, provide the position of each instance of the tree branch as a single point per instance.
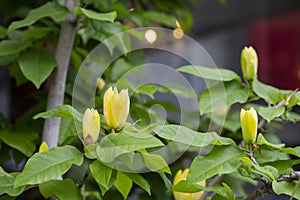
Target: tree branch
(57, 87)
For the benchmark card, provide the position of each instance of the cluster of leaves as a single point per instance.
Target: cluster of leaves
(27, 49)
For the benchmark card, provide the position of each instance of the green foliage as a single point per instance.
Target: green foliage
(7, 184)
(42, 167)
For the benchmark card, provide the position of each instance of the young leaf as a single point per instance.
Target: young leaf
(42, 167)
(66, 111)
(221, 160)
(110, 16)
(268, 93)
(67, 132)
(7, 184)
(221, 95)
(101, 173)
(37, 64)
(269, 113)
(47, 10)
(123, 184)
(262, 141)
(210, 73)
(63, 189)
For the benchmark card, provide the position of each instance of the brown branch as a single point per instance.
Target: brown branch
(294, 176)
(57, 87)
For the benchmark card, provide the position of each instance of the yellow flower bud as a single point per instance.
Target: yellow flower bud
(180, 176)
(100, 84)
(115, 108)
(249, 125)
(249, 63)
(91, 126)
(43, 147)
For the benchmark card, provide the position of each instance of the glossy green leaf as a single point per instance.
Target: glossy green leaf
(123, 184)
(62, 189)
(101, 173)
(262, 141)
(7, 184)
(10, 47)
(221, 160)
(210, 73)
(189, 137)
(221, 95)
(36, 33)
(42, 167)
(113, 145)
(37, 64)
(288, 188)
(268, 93)
(110, 16)
(20, 140)
(47, 10)
(269, 113)
(264, 171)
(156, 163)
(139, 180)
(66, 111)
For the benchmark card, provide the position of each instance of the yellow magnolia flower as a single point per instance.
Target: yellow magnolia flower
(249, 125)
(100, 84)
(115, 108)
(249, 63)
(180, 176)
(91, 126)
(43, 147)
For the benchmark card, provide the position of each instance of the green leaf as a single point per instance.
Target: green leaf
(146, 89)
(221, 160)
(139, 180)
(123, 184)
(186, 187)
(37, 64)
(67, 132)
(4, 60)
(262, 141)
(187, 136)
(110, 16)
(292, 116)
(268, 93)
(269, 113)
(62, 189)
(210, 73)
(101, 173)
(222, 95)
(42, 167)
(3, 32)
(9, 47)
(298, 97)
(288, 188)
(36, 33)
(113, 145)
(66, 111)
(261, 170)
(120, 67)
(7, 184)
(159, 17)
(47, 10)
(20, 140)
(156, 163)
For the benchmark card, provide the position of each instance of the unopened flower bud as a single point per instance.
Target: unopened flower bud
(91, 126)
(180, 176)
(116, 108)
(249, 125)
(100, 84)
(43, 147)
(249, 63)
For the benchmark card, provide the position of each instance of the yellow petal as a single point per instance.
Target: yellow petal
(43, 147)
(249, 125)
(91, 125)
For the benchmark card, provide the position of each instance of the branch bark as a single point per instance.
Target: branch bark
(57, 87)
